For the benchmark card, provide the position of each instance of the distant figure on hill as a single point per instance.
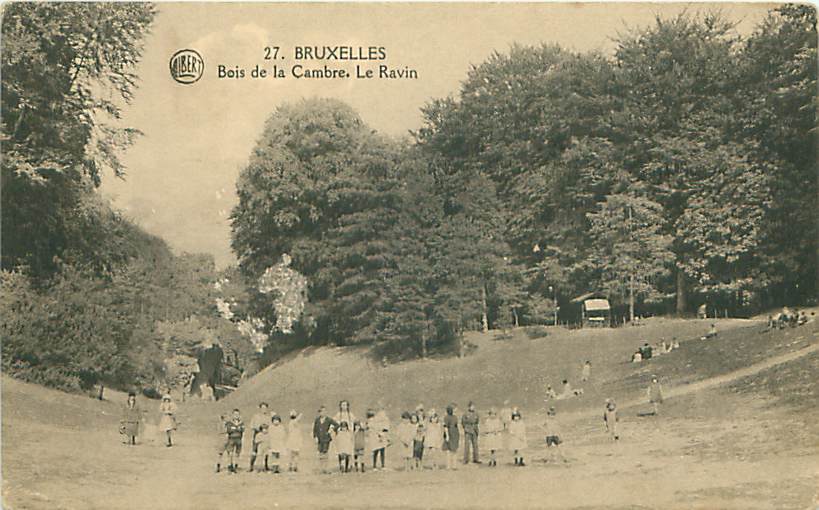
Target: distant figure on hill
(550, 392)
(655, 394)
(568, 392)
(646, 351)
(637, 357)
(167, 419)
(585, 373)
(610, 419)
(803, 319)
(131, 418)
(470, 421)
(712, 333)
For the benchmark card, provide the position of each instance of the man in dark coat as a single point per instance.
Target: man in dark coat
(321, 433)
(469, 422)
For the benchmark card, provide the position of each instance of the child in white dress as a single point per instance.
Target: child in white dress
(517, 437)
(434, 438)
(276, 442)
(493, 429)
(344, 446)
(406, 435)
(294, 441)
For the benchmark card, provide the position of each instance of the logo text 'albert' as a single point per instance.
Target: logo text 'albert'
(187, 66)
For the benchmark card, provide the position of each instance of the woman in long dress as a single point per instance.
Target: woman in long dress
(131, 417)
(451, 437)
(167, 420)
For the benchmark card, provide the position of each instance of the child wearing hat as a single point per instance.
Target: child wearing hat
(167, 421)
(294, 441)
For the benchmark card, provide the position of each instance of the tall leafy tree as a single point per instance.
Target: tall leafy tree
(631, 254)
(66, 70)
(677, 83)
(320, 187)
(777, 104)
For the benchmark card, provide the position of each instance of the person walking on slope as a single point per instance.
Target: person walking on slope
(131, 418)
(167, 420)
(655, 394)
(469, 422)
(610, 419)
(585, 373)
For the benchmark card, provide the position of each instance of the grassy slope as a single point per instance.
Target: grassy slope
(62, 451)
(516, 368)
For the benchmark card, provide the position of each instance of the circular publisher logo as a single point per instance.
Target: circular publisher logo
(187, 66)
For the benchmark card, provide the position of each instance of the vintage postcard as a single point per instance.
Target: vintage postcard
(409, 255)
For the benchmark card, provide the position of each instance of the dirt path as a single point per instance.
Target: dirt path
(711, 382)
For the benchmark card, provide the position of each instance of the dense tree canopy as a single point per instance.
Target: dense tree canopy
(680, 170)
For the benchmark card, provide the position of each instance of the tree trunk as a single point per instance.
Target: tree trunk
(682, 301)
(424, 343)
(460, 344)
(484, 316)
(515, 316)
(631, 297)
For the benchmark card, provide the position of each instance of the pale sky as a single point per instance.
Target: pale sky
(181, 174)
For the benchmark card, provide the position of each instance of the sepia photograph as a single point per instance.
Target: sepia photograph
(409, 255)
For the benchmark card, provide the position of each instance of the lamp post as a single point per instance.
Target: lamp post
(554, 300)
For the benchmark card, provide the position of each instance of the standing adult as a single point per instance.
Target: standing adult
(322, 436)
(131, 418)
(451, 436)
(167, 419)
(469, 422)
(655, 394)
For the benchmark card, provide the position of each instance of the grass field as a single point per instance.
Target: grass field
(730, 436)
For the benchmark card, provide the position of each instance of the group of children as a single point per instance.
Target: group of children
(269, 438)
(422, 438)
